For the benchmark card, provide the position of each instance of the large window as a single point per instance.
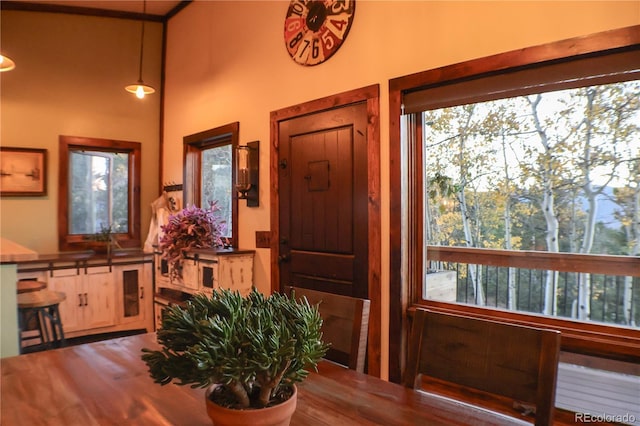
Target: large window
(519, 174)
(209, 174)
(99, 189)
(556, 172)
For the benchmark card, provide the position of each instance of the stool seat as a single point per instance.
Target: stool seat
(40, 299)
(26, 286)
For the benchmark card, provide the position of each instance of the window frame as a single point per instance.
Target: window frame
(67, 144)
(406, 206)
(194, 145)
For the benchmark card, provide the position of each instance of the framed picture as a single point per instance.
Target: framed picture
(23, 172)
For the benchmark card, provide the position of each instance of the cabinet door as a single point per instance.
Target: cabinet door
(190, 274)
(69, 282)
(159, 308)
(236, 273)
(133, 291)
(208, 275)
(162, 271)
(99, 308)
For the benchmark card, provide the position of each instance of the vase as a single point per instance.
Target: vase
(276, 415)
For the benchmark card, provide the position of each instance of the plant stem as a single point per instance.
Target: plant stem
(241, 394)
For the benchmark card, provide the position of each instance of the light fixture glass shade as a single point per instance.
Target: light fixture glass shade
(6, 64)
(243, 181)
(140, 89)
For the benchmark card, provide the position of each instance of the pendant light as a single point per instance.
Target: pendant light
(140, 89)
(6, 64)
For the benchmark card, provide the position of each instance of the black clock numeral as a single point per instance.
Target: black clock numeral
(315, 48)
(295, 40)
(302, 49)
(296, 9)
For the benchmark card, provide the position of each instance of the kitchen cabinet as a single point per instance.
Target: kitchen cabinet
(90, 297)
(103, 294)
(230, 272)
(166, 277)
(202, 271)
(205, 270)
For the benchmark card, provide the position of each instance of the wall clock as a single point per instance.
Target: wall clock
(315, 30)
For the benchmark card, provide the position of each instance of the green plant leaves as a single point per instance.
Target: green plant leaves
(244, 343)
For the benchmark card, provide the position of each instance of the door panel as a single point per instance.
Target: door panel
(69, 282)
(323, 201)
(99, 309)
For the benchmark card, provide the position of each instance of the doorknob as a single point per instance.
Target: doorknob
(284, 258)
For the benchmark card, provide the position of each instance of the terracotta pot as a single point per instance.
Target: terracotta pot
(278, 415)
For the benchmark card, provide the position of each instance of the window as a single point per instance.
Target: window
(99, 189)
(554, 172)
(209, 173)
(457, 197)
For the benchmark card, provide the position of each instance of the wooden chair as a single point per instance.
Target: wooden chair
(345, 324)
(476, 360)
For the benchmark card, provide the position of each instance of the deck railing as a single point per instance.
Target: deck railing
(597, 288)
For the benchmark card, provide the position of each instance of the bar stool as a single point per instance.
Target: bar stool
(42, 307)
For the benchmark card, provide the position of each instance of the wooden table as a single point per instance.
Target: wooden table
(106, 383)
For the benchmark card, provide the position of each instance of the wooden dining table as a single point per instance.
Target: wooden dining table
(107, 383)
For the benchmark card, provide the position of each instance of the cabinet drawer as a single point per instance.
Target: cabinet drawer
(98, 270)
(57, 273)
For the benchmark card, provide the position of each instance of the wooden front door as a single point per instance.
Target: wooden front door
(323, 221)
(325, 201)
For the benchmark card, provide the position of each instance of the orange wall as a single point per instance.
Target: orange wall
(227, 62)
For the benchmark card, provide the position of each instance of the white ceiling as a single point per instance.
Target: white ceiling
(154, 7)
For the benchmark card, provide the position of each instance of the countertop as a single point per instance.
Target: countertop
(80, 257)
(11, 252)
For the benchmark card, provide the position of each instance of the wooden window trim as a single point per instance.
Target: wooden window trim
(193, 146)
(594, 339)
(67, 242)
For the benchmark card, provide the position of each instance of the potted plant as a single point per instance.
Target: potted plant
(103, 241)
(249, 352)
(191, 227)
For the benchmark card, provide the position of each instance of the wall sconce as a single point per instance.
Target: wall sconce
(248, 172)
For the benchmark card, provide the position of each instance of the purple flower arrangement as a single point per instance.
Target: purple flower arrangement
(191, 227)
